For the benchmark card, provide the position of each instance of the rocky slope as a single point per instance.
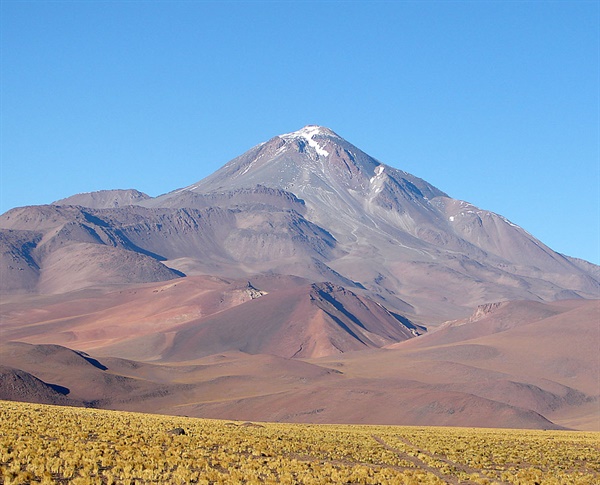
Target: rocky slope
(105, 199)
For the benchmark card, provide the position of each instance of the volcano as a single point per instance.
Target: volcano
(308, 204)
(303, 249)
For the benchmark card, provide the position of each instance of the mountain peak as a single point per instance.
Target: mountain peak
(308, 134)
(309, 131)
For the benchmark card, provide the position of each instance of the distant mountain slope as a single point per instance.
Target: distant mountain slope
(105, 199)
(18, 269)
(69, 247)
(83, 379)
(540, 356)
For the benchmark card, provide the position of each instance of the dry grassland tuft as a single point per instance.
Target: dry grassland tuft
(50, 444)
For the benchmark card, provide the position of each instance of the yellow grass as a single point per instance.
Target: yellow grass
(50, 444)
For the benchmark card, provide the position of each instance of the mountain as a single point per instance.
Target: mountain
(308, 204)
(400, 235)
(303, 281)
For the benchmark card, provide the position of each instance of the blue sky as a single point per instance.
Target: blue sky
(496, 103)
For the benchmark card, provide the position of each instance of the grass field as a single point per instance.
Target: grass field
(50, 444)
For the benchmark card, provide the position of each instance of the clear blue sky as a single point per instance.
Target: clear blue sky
(496, 103)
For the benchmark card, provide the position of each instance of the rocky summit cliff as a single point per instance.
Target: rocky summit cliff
(308, 204)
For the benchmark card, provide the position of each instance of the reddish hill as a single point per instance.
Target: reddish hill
(18, 385)
(309, 321)
(197, 316)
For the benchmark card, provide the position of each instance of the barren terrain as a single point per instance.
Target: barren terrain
(506, 366)
(304, 281)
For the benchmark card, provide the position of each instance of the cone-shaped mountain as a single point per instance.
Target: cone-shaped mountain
(309, 204)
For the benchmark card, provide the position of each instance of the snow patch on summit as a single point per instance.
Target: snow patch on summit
(308, 133)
